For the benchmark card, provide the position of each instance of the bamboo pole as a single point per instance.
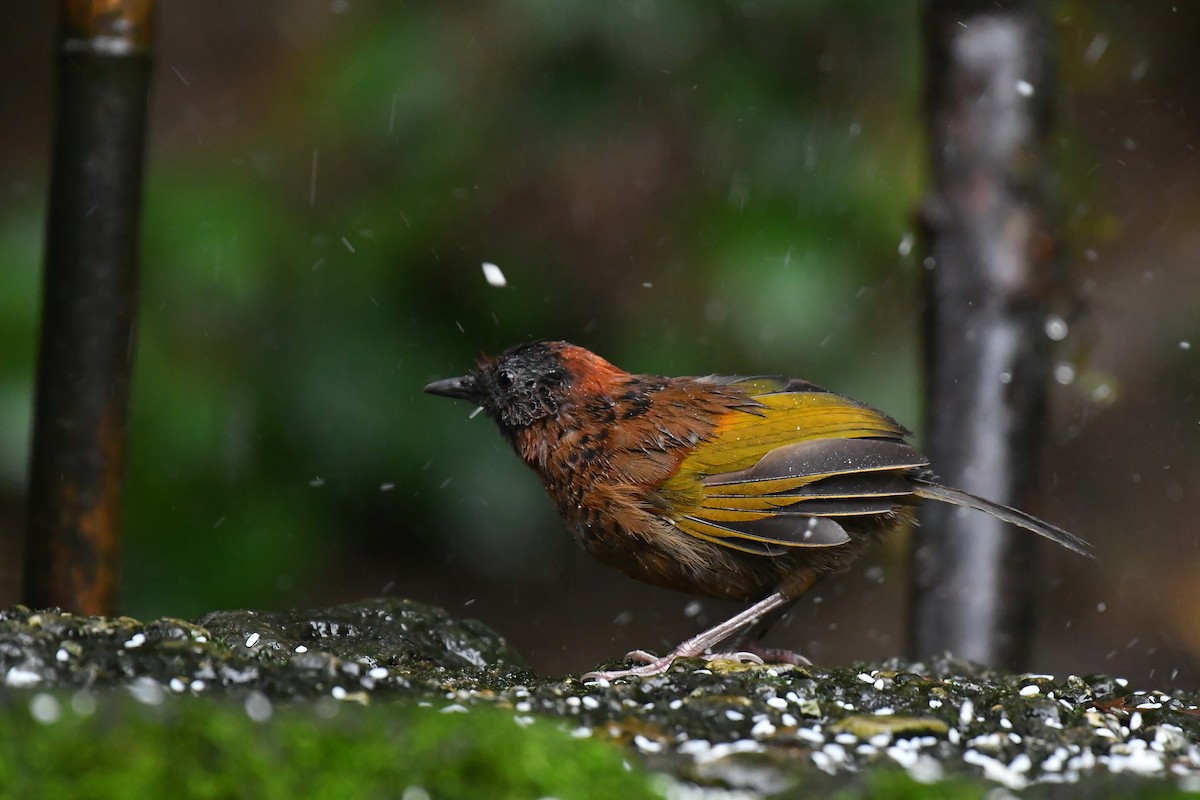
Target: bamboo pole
(89, 302)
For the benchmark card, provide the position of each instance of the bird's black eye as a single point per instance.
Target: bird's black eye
(505, 379)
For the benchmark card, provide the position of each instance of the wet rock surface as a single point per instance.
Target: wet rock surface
(387, 645)
(762, 729)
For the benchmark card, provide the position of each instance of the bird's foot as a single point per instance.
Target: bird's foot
(773, 655)
(651, 664)
(641, 657)
(703, 641)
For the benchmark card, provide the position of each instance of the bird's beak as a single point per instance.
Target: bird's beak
(461, 388)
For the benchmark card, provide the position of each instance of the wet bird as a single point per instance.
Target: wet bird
(737, 488)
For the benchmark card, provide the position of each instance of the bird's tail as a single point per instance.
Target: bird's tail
(935, 491)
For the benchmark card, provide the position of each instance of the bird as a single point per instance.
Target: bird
(737, 488)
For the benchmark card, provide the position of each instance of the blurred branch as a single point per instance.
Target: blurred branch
(989, 84)
(88, 305)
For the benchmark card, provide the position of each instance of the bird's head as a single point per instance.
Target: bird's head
(530, 382)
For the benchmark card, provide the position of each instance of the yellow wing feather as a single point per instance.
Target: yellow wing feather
(716, 486)
(745, 436)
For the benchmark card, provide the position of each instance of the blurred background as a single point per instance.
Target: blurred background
(683, 188)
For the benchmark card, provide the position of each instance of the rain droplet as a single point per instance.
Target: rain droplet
(312, 183)
(493, 275)
(45, 708)
(1056, 328)
(83, 703)
(147, 691)
(258, 707)
(1095, 49)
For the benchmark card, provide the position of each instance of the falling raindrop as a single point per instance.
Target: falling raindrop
(493, 275)
(312, 184)
(1096, 49)
(258, 707)
(45, 708)
(1056, 328)
(83, 703)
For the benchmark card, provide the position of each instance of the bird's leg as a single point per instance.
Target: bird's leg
(699, 643)
(751, 640)
(755, 620)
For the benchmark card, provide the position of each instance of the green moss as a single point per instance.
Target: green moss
(207, 749)
(894, 784)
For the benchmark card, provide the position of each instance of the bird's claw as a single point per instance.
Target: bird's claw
(648, 665)
(772, 655)
(653, 665)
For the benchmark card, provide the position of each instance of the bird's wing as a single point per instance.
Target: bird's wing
(784, 468)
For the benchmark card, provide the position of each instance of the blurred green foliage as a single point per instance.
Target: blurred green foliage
(684, 188)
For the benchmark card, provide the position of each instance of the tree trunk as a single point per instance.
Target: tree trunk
(986, 298)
